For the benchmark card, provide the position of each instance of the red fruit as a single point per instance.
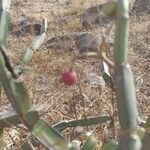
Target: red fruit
(69, 77)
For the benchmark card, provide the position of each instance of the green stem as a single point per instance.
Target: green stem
(9, 119)
(122, 32)
(126, 99)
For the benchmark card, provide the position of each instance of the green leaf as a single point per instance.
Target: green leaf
(26, 56)
(21, 98)
(48, 136)
(146, 141)
(8, 119)
(82, 122)
(4, 25)
(15, 90)
(1, 146)
(32, 117)
(141, 132)
(18, 69)
(1, 139)
(27, 146)
(147, 125)
(44, 26)
(23, 69)
(111, 145)
(38, 41)
(90, 143)
(28, 70)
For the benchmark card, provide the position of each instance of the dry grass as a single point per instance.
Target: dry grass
(45, 87)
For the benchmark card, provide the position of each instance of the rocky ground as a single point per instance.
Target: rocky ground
(74, 27)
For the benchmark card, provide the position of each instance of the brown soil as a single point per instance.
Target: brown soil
(45, 88)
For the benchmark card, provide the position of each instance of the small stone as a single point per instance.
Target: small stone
(93, 17)
(24, 25)
(95, 80)
(87, 42)
(64, 42)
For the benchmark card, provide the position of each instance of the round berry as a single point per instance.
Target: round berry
(69, 77)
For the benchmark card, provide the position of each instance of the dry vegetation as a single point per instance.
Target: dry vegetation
(46, 90)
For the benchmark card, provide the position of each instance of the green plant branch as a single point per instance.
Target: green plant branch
(126, 99)
(37, 42)
(9, 119)
(48, 136)
(82, 122)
